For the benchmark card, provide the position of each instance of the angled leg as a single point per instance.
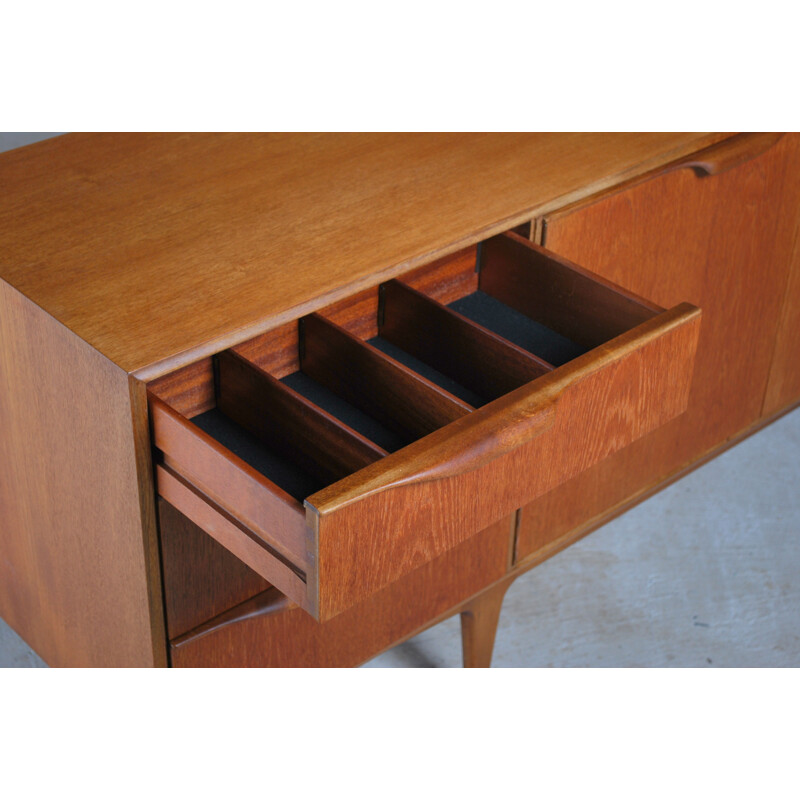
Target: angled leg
(479, 620)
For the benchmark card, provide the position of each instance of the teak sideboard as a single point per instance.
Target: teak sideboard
(287, 400)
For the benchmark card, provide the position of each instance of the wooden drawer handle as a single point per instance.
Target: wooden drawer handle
(484, 442)
(728, 154)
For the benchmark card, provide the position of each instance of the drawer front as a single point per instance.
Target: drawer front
(416, 415)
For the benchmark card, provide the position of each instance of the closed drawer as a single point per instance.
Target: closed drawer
(341, 452)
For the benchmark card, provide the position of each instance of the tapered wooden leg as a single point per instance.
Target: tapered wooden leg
(479, 620)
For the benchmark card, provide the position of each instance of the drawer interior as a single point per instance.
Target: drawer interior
(517, 328)
(307, 404)
(255, 451)
(380, 370)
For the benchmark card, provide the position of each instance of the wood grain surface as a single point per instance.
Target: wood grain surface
(76, 560)
(449, 278)
(190, 390)
(158, 249)
(722, 242)
(276, 351)
(265, 632)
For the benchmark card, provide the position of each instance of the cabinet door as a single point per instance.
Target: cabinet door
(722, 242)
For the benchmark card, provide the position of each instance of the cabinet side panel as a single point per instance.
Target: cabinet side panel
(73, 578)
(723, 243)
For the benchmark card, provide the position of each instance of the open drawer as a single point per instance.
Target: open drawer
(340, 452)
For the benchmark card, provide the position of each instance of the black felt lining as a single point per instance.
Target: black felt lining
(293, 480)
(517, 328)
(433, 375)
(344, 411)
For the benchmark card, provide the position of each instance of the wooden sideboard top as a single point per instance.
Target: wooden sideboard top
(157, 249)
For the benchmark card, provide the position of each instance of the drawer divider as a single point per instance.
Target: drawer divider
(379, 385)
(289, 423)
(483, 361)
(557, 293)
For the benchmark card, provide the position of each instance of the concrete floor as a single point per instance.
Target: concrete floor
(706, 573)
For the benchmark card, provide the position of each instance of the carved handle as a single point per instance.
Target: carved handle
(728, 154)
(484, 442)
(463, 446)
